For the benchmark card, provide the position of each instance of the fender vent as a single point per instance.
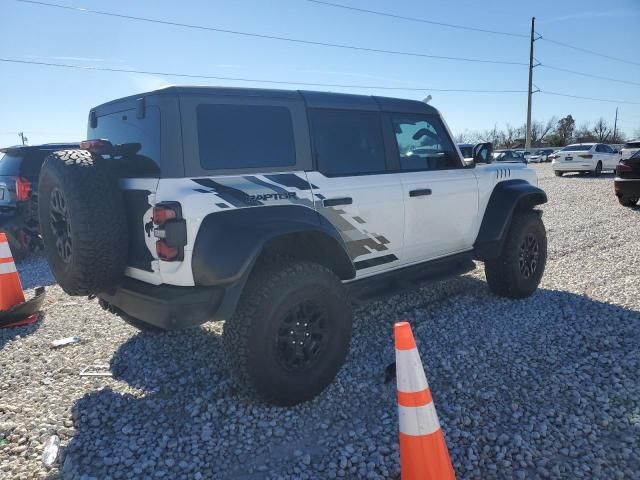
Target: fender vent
(503, 173)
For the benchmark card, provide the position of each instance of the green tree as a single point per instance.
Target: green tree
(564, 130)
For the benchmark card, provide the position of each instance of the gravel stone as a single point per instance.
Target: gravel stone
(544, 387)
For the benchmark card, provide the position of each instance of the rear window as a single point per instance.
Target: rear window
(27, 164)
(245, 136)
(347, 142)
(577, 148)
(467, 152)
(10, 165)
(124, 128)
(632, 145)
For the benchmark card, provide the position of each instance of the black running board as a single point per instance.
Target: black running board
(409, 278)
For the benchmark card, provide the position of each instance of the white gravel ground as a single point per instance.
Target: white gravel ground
(547, 387)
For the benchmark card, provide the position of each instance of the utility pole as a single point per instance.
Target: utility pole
(615, 126)
(23, 138)
(527, 142)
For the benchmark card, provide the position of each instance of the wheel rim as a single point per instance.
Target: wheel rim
(60, 225)
(301, 336)
(529, 255)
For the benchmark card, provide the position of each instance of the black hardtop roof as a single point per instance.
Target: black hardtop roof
(44, 146)
(313, 99)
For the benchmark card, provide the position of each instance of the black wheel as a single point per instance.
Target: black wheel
(290, 333)
(83, 222)
(558, 173)
(518, 270)
(628, 202)
(598, 170)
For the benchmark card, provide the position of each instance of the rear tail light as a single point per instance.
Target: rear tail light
(96, 146)
(23, 189)
(162, 214)
(171, 231)
(623, 167)
(166, 252)
(588, 155)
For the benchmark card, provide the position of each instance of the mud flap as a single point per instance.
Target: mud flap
(23, 310)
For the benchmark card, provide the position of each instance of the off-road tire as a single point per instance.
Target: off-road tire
(503, 274)
(557, 173)
(96, 217)
(274, 289)
(628, 202)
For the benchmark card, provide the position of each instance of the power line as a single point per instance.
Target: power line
(415, 19)
(546, 92)
(252, 80)
(591, 52)
(583, 74)
(308, 84)
(273, 37)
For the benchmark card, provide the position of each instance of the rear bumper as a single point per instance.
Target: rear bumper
(627, 187)
(573, 167)
(166, 306)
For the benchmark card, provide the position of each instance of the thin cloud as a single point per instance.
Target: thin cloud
(592, 14)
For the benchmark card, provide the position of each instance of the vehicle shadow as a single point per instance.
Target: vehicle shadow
(9, 334)
(181, 415)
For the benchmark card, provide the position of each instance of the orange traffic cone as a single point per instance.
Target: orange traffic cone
(423, 451)
(10, 286)
(13, 307)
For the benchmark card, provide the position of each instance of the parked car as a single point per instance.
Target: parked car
(525, 154)
(508, 156)
(541, 155)
(627, 181)
(19, 174)
(629, 149)
(584, 157)
(274, 210)
(466, 149)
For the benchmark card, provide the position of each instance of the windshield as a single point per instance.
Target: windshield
(577, 148)
(632, 145)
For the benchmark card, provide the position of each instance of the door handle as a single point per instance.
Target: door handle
(333, 202)
(420, 192)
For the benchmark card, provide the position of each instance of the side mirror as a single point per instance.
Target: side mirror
(482, 152)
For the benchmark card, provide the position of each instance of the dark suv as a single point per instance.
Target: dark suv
(627, 181)
(19, 174)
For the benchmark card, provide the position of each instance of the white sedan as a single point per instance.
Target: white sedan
(584, 157)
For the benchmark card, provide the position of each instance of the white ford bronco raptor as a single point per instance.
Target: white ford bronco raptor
(274, 210)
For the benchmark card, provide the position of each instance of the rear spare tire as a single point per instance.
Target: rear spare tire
(83, 222)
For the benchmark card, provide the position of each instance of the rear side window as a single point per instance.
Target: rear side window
(245, 136)
(347, 142)
(144, 133)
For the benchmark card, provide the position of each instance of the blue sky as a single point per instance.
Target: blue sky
(51, 104)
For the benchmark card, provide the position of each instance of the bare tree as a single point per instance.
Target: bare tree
(583, 133)
(601, 130)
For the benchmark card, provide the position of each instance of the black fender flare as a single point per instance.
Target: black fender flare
(229, 241)
(507, 198)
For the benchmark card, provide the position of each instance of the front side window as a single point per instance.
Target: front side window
(347, 142)
(423, 144)
(245, 136)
